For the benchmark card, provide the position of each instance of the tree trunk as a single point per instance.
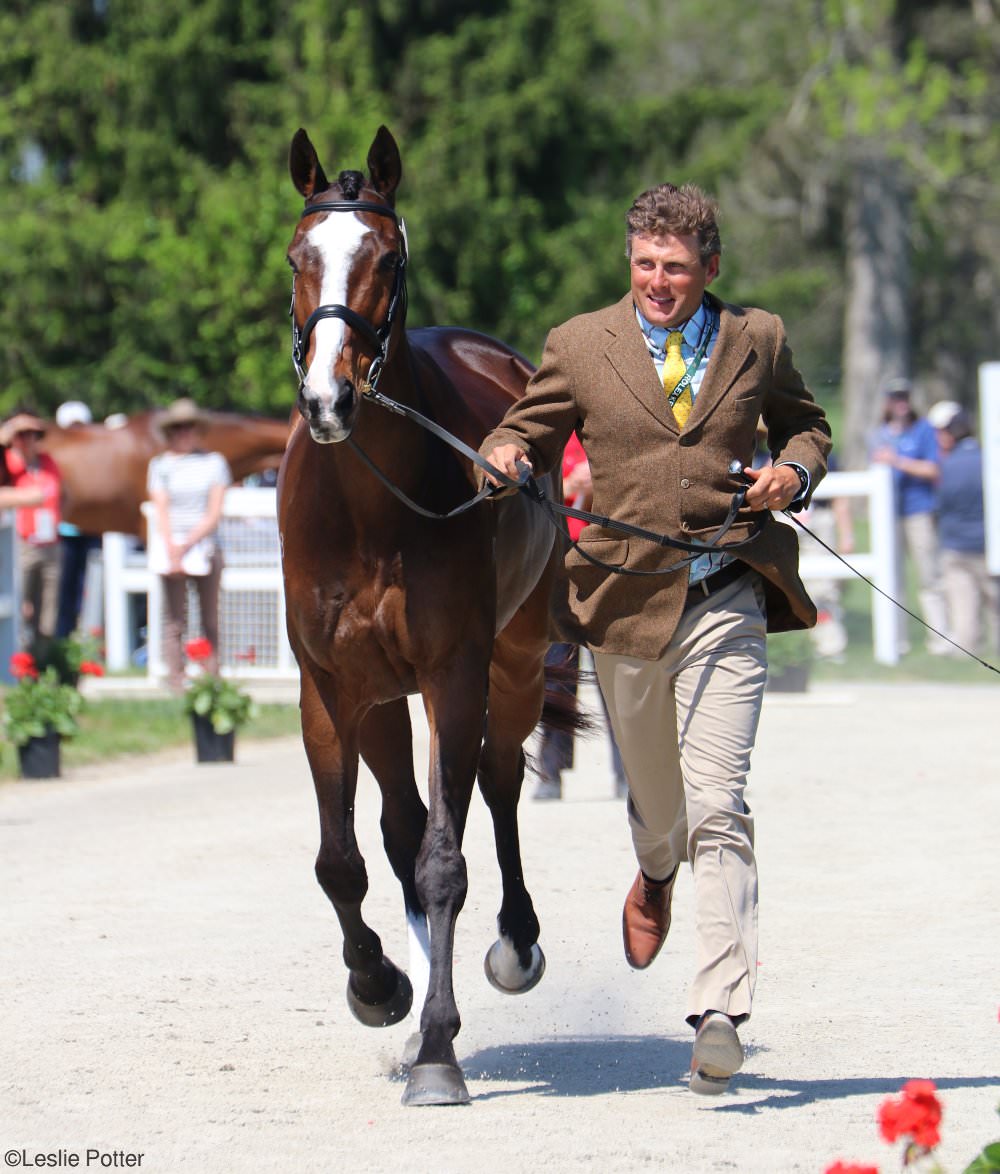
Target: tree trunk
(876, 317)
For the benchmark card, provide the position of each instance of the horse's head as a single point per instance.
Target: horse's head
(348, 255)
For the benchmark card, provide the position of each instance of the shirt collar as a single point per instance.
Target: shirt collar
(656, 336)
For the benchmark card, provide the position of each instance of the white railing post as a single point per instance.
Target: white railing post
(887, 620)
(116, 649)
(989, 423)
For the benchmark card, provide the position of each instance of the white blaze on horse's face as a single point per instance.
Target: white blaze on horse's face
(336, 240)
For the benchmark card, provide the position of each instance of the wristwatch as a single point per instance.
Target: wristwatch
(798, 500)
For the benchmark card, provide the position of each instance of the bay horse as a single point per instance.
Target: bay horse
(383, 602)
(103, 469)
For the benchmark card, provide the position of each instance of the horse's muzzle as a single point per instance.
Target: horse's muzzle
(330, 421)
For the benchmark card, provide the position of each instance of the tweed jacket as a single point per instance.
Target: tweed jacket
(597, 378)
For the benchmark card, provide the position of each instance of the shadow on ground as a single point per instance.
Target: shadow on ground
(595, 1066)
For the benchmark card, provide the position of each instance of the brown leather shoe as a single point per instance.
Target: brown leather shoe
(646, 919)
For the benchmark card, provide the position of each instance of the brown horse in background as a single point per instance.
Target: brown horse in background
(383, 601)
(104, 469)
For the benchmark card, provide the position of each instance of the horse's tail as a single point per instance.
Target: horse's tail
(561, 708)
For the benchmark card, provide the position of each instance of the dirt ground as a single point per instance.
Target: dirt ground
(172, 984)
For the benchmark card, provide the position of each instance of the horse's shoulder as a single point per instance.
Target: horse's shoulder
(469, 380)
(470, 350)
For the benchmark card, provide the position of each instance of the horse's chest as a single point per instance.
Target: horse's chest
(359, 635)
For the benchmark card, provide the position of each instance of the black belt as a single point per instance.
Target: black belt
(700, 591)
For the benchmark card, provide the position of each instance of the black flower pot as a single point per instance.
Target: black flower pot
(793, 678)
(210, 746)
(39, 757)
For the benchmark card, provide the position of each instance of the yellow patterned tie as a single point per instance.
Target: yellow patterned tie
(674, 368)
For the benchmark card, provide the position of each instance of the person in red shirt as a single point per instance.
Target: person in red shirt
(556, 746)
(37, 523)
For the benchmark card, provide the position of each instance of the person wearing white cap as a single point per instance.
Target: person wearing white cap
(76, 546)
(972, 594)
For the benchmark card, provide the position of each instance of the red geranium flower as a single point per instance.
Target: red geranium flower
(917, 1114)
(22, 664)
(90, 668)
(850, 1168)
(198, 650)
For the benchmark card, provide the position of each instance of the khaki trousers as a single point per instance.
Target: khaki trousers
(685, 725)
(175, 589)
(39, 589)
(921, 543)
(973, 596)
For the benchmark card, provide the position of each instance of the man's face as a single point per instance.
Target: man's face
(668, 278)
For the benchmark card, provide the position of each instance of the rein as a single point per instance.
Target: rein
(527, 485)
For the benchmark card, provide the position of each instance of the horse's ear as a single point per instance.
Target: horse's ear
(384, 165)
(303, 162)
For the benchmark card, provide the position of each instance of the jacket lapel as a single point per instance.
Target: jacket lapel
(729, 357)
(629, 356)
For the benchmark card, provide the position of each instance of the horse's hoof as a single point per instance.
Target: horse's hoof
(505, 972)
(411, 1049)
(435, 1084)
(395, 1008)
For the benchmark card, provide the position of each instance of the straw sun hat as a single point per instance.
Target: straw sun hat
(181, 411)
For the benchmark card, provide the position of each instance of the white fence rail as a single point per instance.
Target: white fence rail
(252, 623)
(880, 563)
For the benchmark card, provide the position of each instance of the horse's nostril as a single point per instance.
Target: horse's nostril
(345, 397)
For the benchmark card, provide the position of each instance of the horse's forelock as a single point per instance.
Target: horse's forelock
(351, 183)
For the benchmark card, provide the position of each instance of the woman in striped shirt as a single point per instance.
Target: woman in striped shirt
(186, 486)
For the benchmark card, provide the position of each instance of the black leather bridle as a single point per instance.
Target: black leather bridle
(377, 337)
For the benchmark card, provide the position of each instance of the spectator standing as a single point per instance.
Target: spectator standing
(75, 545)
(907, 444)
(37, 525)
(970, 591)
(187, 486)
(556, 746)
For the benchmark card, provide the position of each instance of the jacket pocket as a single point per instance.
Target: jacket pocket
(611, 551)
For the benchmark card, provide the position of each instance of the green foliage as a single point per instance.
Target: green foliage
(225, 705)
(787, 649)
(146, 203)
(36, 705)
(987, 1161)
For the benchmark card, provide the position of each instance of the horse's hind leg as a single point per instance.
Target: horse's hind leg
(387, 748)
(515, 962)
(378, 992)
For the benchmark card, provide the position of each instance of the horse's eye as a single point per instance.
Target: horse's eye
(291, 265)
(390, 262)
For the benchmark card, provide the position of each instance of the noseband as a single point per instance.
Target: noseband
(376, 337)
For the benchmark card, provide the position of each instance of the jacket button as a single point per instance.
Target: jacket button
(685, 483)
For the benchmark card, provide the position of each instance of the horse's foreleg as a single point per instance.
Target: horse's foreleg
(515, 962)
(387, 748)
(455, 703)
(378, 993)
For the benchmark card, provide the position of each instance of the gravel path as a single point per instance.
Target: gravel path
(172, 983)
